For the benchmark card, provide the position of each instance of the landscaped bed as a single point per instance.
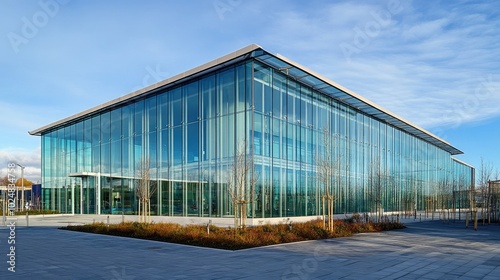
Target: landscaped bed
(231, 239)
(33, 212)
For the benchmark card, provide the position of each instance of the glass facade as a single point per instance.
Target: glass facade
(189, 134)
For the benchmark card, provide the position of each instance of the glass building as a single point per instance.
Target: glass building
(190, 128)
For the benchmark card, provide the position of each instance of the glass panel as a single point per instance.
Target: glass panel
(96, 131)
(166, 198)
(176, 106)
(279, 90)
(164, 153)
(128, 197)
(127, 163)
(192, 143)
(177, 199)
(163, 106)
(151, 114)
(192, 106)
(193, 198)
(227, 92)
(116, 123)
(117, 197)
(240, 88)
(139, 117)
(106, 199)
(177, 146)
(290, 103)
(207, 87)
(152, 153)
(96, 159)
(136, 153)
(105, 127)
(262, 89)
(116, 158)
(105, 158)
(127, 121)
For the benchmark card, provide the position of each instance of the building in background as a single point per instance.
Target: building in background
(190, 127)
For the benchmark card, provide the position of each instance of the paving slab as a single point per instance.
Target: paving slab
(424, 250)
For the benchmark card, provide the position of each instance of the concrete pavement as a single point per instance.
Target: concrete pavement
(425, 250)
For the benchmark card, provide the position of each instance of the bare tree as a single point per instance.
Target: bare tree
(482, 187)
(328, 173)
(145, 189)
(444, 196)
(495, 194)
(460, 195)
(377, 181)
(409, 197)
(241, 179)
(490, 191)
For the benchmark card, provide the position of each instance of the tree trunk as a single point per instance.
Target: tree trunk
(330, 224)
(235, 210)
(324, 217)
(331, 213)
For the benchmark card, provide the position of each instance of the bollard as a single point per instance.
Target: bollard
(466, 219)
(27, 219)
(421, 217)
(107, 220)
(123, 218)
(475, 220)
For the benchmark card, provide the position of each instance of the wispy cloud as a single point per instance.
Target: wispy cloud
(425, 65)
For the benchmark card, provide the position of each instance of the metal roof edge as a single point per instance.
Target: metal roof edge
(361, 98)
(203, 67)
(462, 162)
(228, 57)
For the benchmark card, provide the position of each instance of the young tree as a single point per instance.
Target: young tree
(377, 181)
(144, 190)
(443, 194)
(408, 196)
(241, 179)
(328, 173)
(460, 196)
(484, 176)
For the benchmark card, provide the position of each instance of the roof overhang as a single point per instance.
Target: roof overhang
(463, 163)
(287, 66)
(167, 83)
(348, 97)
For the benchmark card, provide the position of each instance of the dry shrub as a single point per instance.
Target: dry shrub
(234, 239)
(311, 230)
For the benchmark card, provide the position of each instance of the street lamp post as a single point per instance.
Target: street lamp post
(22, 185)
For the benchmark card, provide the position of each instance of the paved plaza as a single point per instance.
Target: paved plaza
(424, 250)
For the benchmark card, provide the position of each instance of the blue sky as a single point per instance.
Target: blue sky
(435, 63)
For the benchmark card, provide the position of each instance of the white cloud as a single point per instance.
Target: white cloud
(31, 159)
(426, 29)
(428, 66)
